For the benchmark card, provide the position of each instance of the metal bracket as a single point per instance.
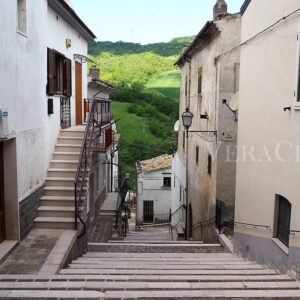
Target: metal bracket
(209, 136)
(83, 59)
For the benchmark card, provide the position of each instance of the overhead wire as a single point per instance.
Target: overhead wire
(257, 35)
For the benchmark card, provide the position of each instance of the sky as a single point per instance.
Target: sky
(147, 21)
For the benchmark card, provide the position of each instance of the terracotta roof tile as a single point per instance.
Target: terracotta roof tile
(154, 164)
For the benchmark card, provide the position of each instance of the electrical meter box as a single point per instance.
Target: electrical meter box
(4, 127)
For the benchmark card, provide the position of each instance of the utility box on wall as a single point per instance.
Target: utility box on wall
(4, 127)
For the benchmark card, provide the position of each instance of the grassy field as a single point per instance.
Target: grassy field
(131, 126)
(166, 83)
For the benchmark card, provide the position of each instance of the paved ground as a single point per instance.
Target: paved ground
(101, 229)
(29, 256)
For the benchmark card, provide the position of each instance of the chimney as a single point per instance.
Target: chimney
(94, 72)
(220, 9)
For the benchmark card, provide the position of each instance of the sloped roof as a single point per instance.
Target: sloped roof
(70, 16)
(155, 164)
(244, 6)
(208, 29)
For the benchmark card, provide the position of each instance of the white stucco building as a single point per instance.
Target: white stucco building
(154, 197)
(43, 83)
(206, 81)
(268, 167)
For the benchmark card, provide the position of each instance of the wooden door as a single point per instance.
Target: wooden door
(2, 213)
(148, 212)
(78, 97)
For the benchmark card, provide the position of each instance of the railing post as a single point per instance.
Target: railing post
(75, 191)
(219, 216)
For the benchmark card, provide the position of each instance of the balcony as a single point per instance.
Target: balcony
(102, 114)
(105, 141)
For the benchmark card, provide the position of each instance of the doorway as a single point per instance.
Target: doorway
(2, 211)
(148, 212)
(78, 97)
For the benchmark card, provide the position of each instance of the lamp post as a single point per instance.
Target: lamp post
(187, 118)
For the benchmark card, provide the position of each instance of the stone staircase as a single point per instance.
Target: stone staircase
(171, 270)
(57, 204)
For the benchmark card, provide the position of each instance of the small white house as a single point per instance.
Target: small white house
(154, 182)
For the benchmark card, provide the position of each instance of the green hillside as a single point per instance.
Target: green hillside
(146, 95)
(174, 47)
(130, 125)
(166, 83)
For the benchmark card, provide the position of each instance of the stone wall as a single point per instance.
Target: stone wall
(28, 211)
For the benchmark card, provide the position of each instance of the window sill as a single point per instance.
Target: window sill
(282, 246)
(23, 34)
(297, 106)
(165, 187)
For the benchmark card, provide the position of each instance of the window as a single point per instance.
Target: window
(21, 16)
(167, 182)
(200, 81)
(283, 219)
(59, 74)
(197, 154)
(209, 162)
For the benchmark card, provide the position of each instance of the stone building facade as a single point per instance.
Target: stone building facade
(206, 80)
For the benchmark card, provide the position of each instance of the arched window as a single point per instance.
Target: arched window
(283, 207)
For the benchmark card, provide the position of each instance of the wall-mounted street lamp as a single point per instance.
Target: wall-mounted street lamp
(187, 119)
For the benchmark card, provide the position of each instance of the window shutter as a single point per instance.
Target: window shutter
(51, 64)
(67, 77)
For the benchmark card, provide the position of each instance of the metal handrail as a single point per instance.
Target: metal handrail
(248, 224)
(183, 206)
(177, 210)
(120, 205)
(84, 164)
(204, 223)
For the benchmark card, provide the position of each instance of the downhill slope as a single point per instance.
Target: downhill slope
(166, 84)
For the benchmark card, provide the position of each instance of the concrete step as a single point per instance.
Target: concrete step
(70, 140)
(62, 172)
(164, 272)
(66, 155)
(151, 256)
(158, 242)
(148, 278)
(143, 243)
(69, 133)
(143, 285)
(54, 223)
(57, 201)
(40, 294)
(63, 164)
(59, 191)
(67, 148)
(107, 213)
(165, 266)
(60, 181)
(56, 211)
(204, 294)
(173, 261)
